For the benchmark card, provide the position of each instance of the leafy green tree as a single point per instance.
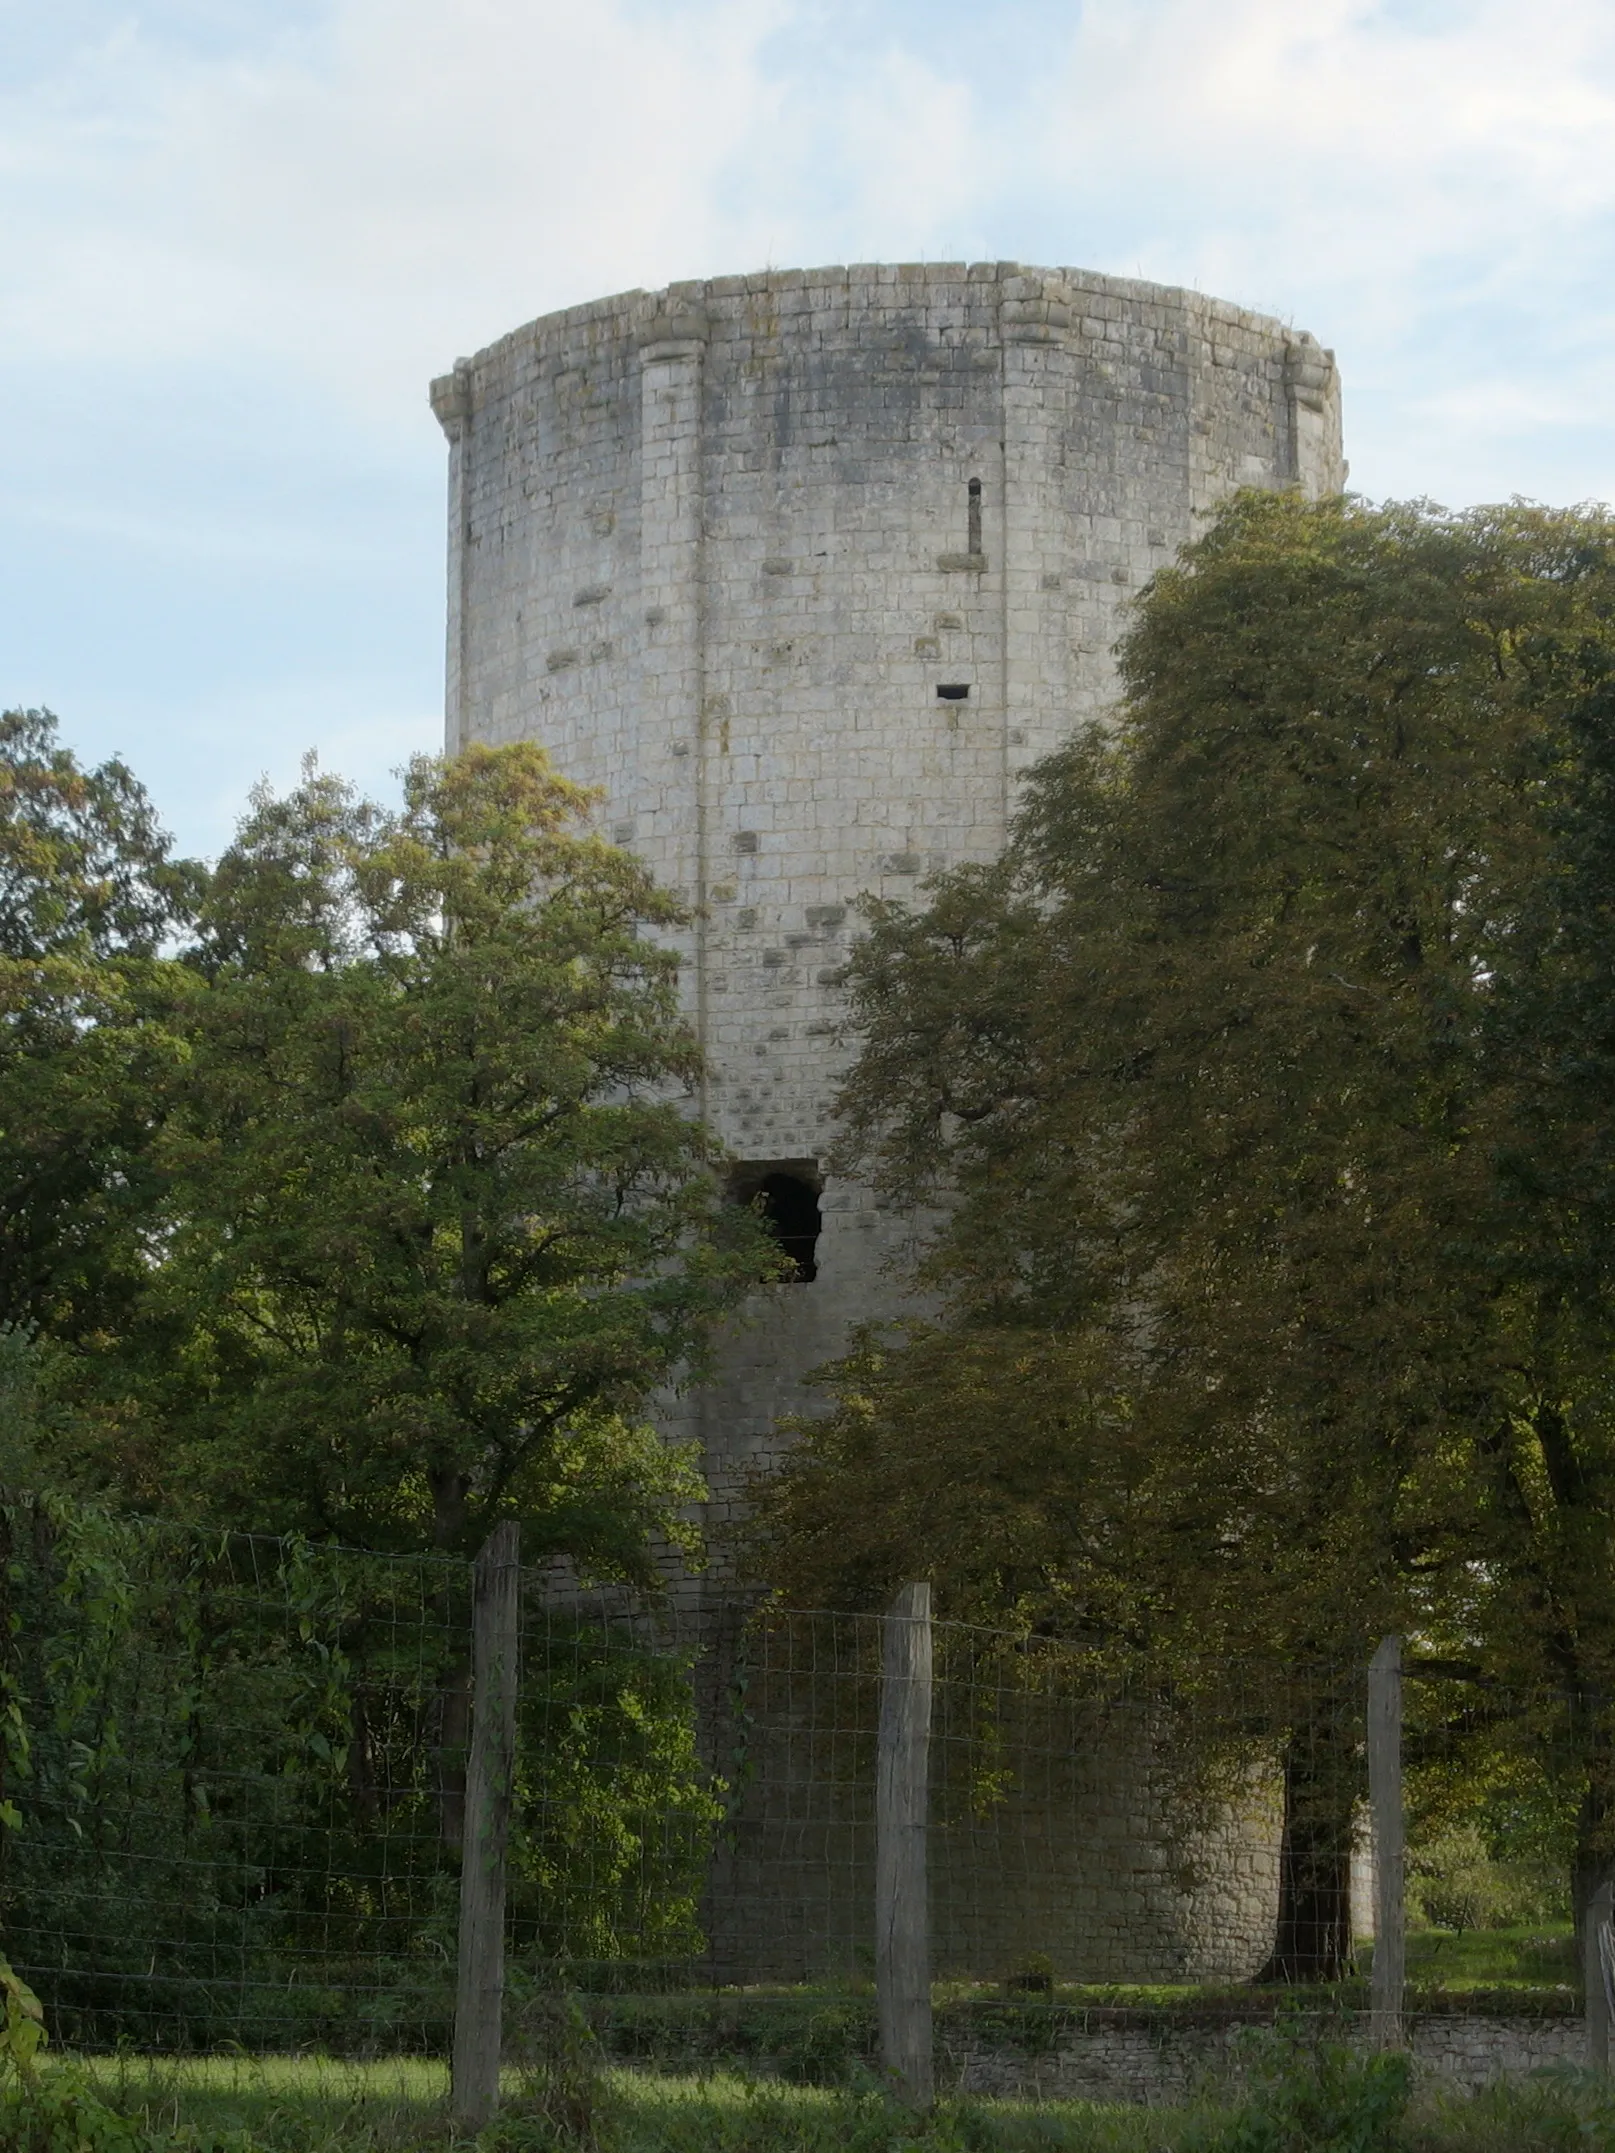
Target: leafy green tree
(89, 895)
(219, 1773)
(437, 1220)
(1210, 1084)
(1545, 1452)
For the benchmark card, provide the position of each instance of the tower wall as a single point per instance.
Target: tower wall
(716, 548)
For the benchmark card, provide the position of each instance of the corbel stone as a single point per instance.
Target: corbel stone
(1309, 371)
(676, 327)
(451, 399)
(1309, 387)
(1033, 311)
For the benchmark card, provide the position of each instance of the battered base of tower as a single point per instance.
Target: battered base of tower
(1058, 1845)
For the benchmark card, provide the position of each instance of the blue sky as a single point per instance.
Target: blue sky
(238, 236)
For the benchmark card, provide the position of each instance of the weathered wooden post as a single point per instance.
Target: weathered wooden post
(902, 1780)
(1389, 1842)
(490, 1782)
(1598, 1974)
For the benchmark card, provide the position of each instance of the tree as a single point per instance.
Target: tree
(1545, 1451)
(89, 895)
(1208, 1081)
(436, 1219)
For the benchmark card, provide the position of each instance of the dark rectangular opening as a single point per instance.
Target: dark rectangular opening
(952, 691)
(785, 1193)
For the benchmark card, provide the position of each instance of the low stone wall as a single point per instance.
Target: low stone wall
(1128, 2056)
(1032, 2049)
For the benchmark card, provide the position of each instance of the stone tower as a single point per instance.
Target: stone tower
(804, 570)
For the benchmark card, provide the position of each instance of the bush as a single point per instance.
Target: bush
(224, 1763)
(1456, 1882)
(47, 2110)
(1303, 2095)
(1560, 2111)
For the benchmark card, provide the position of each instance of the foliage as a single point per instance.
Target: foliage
(31, 1418)
(1457, 1882)
(563, 2084)
(1304, 2095)
(88, 897)
(226, 1785)
(436, 1219)
(60, 2112)
(47, 2109)
(1262, 1092)
(24, 2029)
(615, 1810)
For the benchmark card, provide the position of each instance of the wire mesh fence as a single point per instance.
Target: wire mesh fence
(229, 1770)
(1120, 1823)
(234, 1786)
(233, 1804)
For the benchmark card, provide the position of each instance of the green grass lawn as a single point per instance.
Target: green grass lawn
(1539, 1956)
(682, 2092)
(309, 2105)
(300, 2103)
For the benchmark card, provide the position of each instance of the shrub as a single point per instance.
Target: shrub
(1304, 2095)
(1456, 1882)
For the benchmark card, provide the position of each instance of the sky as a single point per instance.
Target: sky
(237, 238)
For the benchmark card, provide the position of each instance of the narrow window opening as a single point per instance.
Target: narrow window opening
(953, 691)
(974, 524)
(785, 1194)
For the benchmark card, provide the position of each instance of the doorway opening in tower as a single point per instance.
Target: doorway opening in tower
(785, 1194)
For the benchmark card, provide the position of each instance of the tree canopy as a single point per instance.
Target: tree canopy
(438, 1219)
(89, 896)
(423, 1218)
(1262, 1093)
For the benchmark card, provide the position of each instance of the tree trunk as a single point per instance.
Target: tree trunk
(1593, 1862)
(1312, 1939)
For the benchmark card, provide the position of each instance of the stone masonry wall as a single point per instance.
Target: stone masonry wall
(1051, 1847)
(1122, 2056)
(715, 548)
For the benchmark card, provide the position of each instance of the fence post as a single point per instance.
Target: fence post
(1389, 1842)
(902, 1774)
(1598, 1974)
(490, 1780)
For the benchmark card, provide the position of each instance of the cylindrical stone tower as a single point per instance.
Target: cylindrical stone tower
(803, 570)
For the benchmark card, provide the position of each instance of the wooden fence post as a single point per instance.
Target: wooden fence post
(1598, 1974)
(490, 1782)
(1389, 1841)
(902, 1775)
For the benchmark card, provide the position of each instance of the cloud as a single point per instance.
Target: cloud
(238, 236)
(362, 193)
(1344, 143)
(374, 192)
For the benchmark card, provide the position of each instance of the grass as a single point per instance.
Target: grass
(309, 2105)
(1531, 1957)
(286, 2104)
(790, 2071)
(300, 2103)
